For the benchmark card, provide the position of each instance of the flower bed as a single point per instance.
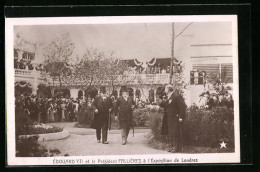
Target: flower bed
(40, 129)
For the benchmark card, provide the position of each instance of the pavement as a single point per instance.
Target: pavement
(82, 142)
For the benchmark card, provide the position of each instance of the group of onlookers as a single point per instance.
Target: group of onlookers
(26, 65)
(43, 109)
(157, 69)
(222, 98)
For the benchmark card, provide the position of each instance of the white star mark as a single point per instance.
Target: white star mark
(223, 145)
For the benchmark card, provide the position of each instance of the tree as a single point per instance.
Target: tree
(89, 69)
(57, 55)
(114, 69)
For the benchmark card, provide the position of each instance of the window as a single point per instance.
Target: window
(28, 56)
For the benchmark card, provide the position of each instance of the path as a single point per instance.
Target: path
(83, 142)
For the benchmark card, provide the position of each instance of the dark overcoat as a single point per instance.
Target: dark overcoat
(124, 111)
(102, 116)
(175, 108)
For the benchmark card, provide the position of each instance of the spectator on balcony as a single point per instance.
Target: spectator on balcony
(30, 66)
(21, 64)
(196, 77)
(163, 71)
(16, 64)
(168, 69)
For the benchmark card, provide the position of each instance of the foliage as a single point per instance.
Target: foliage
(89, 68)
(141, 116)
(44, 90)
(57, 55)
(114, 68)
(202, 127)
(29, 147)
(40, 130)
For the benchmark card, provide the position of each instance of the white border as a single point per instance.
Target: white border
(202, 158)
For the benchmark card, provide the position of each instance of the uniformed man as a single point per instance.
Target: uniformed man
(124, 113)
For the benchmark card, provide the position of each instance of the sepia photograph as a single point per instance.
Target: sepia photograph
(122, 90)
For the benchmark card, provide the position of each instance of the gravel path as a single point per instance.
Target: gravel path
(82, 142)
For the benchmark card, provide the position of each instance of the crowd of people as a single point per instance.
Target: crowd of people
(156, 69)
(221, 98)
(26, 65)
(43, 109)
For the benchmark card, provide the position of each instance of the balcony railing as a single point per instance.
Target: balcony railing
(129, 79)
(27, 73)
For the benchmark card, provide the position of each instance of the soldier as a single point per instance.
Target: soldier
(175, 110)
(124, 112)
(103, 106)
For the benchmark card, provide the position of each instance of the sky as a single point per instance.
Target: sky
(142, 41)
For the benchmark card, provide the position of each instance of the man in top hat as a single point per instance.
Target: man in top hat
(175, 110)
(124, 113)
(103, 106)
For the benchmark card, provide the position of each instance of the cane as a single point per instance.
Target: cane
(180, 126)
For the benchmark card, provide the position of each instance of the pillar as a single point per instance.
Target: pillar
(20, 54)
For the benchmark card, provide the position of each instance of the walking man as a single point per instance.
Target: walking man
(124, 113)
(103, 106)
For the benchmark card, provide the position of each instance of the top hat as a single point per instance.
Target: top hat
(221, 93)
(202, 94)
(225, 92)
(124, 89)
(213, 94)
(207, 92)
(103, 90)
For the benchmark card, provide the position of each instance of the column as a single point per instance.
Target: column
(20, 54)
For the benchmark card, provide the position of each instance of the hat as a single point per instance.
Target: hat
(221, 93)
(207, 92)
(103, 89)
(225, 92)
(202, 94)
(213, 94)
(124, 89)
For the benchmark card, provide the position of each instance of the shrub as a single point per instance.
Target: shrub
(29, 147)
(141, 116)
(202, 127)
(155, 124)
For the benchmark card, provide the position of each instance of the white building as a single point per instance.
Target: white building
(203, 46)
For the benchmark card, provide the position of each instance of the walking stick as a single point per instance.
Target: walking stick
(109, 121)
(180, 126)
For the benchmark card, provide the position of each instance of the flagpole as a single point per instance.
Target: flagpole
(172, 55)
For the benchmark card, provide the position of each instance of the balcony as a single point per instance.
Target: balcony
(129, 79)
(26, 73)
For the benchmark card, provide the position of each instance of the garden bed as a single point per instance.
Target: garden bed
(44, 132)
